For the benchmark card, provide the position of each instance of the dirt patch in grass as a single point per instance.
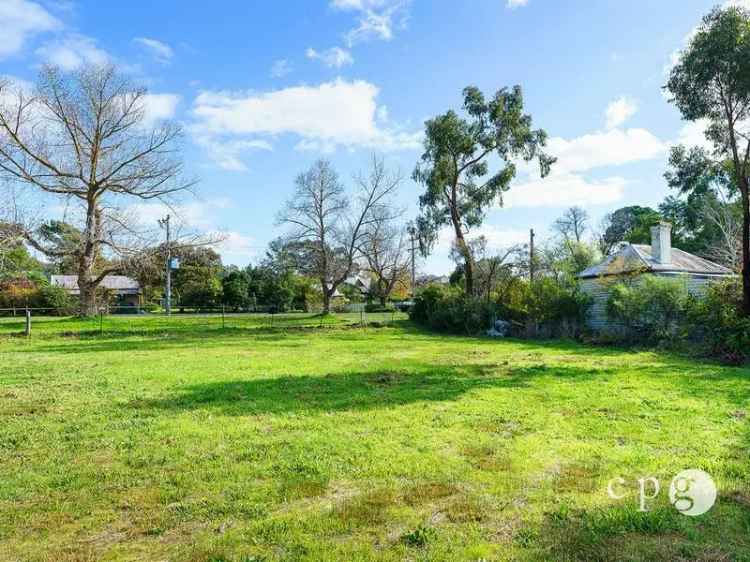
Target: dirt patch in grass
(369, 508)
(421, 493)
(486, 457)
(467, 509)
(576, 477)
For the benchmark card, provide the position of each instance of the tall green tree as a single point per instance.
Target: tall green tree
(630, 224)
(454, 169)
(711, 82)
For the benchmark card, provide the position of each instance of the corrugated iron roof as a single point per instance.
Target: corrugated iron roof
(638, 257)
(119, 283)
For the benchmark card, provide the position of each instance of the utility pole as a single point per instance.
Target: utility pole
(531, 255)
(164, 223)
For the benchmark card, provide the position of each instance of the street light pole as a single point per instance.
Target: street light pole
(164, 223)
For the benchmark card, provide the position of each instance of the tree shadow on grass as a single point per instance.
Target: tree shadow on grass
(352, 391)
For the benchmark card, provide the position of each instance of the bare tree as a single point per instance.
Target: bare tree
(727, 218)
(322, 218)
(572, 224)
(387, 254)
(82, 138)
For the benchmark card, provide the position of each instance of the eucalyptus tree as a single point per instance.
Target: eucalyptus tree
(455, 165)
(711, 83)
(83, 140)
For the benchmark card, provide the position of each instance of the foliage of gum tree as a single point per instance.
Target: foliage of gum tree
(82, 139)
(711, 82)
(454, 167)
(329, 228)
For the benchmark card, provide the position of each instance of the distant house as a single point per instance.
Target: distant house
(634, 260)
(360, 283)
(124, 290)
(424, 280)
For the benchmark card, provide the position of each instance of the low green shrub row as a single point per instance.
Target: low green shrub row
(661, 311)
(544, 308)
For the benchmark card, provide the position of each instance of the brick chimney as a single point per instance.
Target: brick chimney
(661, 243)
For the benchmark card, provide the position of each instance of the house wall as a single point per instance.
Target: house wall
(598, 289)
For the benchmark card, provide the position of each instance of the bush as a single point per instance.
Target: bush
(449, 309)
(715, 323)
(650, 309)
(546, 306)
(554, 309)
(377, 307)
(57, 298)
(35, 292)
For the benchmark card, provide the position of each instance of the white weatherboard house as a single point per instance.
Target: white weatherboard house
(632, 261)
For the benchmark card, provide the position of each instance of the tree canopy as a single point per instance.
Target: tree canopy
(454, 168)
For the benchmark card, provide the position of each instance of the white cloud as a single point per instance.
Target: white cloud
(498, 238)
(609, 148)
(563, 189)
(737, 3)
(619, 111)
(236, 248)
(22, 19)
(335, 57)
(72, 52)
(159, 107)
(324, 117)
(193, 215)
(512, 4)
(162, 52)
(199, 216)
(227, 154)
(280, 68)
(375, 18)
(692, 133)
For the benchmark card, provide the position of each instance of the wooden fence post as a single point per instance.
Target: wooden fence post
(27, 329)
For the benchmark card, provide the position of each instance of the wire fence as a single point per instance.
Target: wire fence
(113, 321)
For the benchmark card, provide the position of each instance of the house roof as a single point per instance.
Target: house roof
(119, 283)
(638, 257)
(360, 282)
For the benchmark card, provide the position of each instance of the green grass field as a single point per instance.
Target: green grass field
(306, 439)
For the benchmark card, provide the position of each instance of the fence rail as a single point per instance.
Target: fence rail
(55, 322)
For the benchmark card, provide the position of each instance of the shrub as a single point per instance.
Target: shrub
(377, 307)
(651, 308)
(448, 309)
(551, 308)
(34, 292)
(57, 298)
(715, 322)
(555, 308)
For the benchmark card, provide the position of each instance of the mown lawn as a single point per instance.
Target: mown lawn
(181, 440)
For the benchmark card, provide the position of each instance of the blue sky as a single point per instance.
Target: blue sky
(265, 88)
